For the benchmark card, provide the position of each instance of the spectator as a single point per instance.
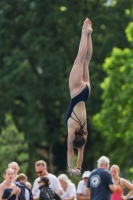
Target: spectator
(15, 167)
(81, 188)
(100, 184)
(46, 193)
(9, 190)
(120, 184)
(25, 193)
(69, 189)
(41, 170)
(28, 184)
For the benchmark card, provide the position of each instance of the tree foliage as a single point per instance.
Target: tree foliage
(39, 42)
(115, 117)
(12, 147)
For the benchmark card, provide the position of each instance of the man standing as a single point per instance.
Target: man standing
(100, 184)
(41, 170)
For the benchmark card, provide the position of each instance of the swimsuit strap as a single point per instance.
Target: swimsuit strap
(120, 184)
(78, 121)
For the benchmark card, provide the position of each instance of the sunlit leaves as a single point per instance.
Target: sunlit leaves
(129, 32)
(115, 118)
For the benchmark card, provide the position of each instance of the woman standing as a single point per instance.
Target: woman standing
(8, 190)
(120, 184)
(69, 189)
(79, 85)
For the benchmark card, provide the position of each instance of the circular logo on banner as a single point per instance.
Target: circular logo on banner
(95, 180)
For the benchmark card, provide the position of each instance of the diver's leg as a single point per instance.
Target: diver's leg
(88, 56)
(76, 83)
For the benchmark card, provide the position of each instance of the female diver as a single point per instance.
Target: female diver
(79, 85)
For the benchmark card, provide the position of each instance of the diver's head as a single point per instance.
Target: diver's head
(80, 138)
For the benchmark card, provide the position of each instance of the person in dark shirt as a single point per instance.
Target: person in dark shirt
(100, 184)
(46, 193)
(25, 192)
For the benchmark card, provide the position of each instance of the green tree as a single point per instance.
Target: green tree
(39, 42)
(12, 147)
(115, 117)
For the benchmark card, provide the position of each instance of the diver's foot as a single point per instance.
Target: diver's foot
(87, 26)
(90, 26)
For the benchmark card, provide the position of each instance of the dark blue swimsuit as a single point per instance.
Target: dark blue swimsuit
(7, 193)
(83, 96)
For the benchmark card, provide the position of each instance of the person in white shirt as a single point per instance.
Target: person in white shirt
(41, 170)
(81, 188)
(69, 189)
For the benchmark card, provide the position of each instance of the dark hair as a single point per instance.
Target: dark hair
(45, 180)
(80, 138)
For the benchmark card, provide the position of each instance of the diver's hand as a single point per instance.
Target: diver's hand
(77, 171)
(70, 170)
(74, 171)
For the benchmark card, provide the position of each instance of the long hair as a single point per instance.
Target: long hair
(80, 138)
(64, 178)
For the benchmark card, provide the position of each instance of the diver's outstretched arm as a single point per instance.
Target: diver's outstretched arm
(80, 157)
(70, 155)
(70, 152)
(77, 171)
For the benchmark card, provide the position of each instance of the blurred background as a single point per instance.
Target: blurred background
(38, 44)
